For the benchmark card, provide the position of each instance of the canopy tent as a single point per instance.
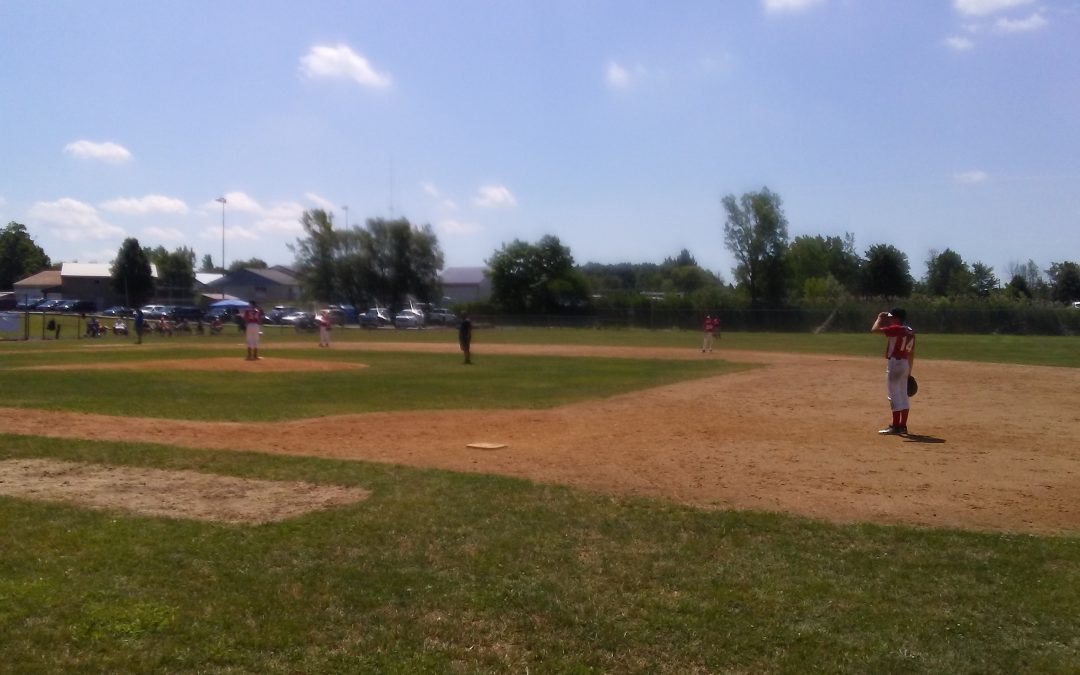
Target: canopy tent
(229, 302)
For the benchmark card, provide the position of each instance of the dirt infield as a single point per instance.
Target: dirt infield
(996, 446)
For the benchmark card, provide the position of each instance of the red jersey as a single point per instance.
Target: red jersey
(252, 315)
(711, 325)
(901, 343)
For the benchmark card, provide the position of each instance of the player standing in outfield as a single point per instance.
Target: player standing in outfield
(711, 326)
(140, 326)
(324, 327)
(465, 337)
(252, 318)
(899, 355)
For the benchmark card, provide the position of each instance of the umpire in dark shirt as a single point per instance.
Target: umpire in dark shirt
(465, 336)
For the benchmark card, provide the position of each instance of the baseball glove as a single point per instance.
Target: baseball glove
(912, 386)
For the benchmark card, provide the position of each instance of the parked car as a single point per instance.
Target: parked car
(442, 317)
(337, 315)
(154, 312)
(225, 315)
(184, 313)
(299, 320)
(78, 307)
(349, 314)
(279, 312)
(119, 310)
(47, 305)
(375, 318)
(409, 318)
(27, 305)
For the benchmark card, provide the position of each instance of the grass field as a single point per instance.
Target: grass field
(442, 572)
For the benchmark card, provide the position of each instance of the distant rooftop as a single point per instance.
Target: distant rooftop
(93, 270)
(463, 275)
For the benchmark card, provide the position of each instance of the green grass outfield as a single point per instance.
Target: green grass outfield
(1037, 350)
(440, 572)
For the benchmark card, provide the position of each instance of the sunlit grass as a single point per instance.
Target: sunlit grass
(441, 572)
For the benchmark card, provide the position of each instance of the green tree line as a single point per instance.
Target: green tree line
(391, 262)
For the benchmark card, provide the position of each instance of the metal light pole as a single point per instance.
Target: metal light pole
(222, 200)
(346, 209)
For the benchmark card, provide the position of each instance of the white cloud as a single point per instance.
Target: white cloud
(616, 76)
(1033, 22)
(283, 218)
(971, 177)
(275, 220)
(958, 43)
(432, 191)
(103, 255)
(137, 206)
(73, 220)
(235, 201)
(494, 196)
(232, 233)
(164, 233)
(340, 62)
(455, 227)
(320, 202)
(779, 6)
(985, 7)
(105, 152)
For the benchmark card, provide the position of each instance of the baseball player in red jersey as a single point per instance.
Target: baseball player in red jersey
(899, 355)
(323, 320)
(710, 327)
(253, 318)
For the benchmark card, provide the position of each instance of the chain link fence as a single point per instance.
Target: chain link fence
(1012, 321)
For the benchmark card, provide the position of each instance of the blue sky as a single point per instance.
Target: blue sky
(617, 126)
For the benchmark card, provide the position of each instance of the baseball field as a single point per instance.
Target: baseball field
(575, 501)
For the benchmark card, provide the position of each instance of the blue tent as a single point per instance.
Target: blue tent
(229, 303)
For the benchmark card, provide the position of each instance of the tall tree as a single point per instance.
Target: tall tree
(19, 255)
(176, 272)
(1064, 281)
(947, 274)
(1018, 287)
(886, 273)
(250, 264)
(388, 261)
(756, 234)
(1034, 282)
(207, 264)
(819, 258)
(537, 277)
(404, 260)
(131, 273)
(983, 280)
(315, 254)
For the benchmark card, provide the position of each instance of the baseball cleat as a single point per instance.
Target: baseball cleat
(890, 431)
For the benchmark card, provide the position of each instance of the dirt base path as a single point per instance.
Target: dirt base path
(998, 447)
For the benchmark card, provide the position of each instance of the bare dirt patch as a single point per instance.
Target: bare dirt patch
(996, 446)
(171, 494)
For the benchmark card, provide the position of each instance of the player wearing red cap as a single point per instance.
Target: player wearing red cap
(252, 318)
(899, 356)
